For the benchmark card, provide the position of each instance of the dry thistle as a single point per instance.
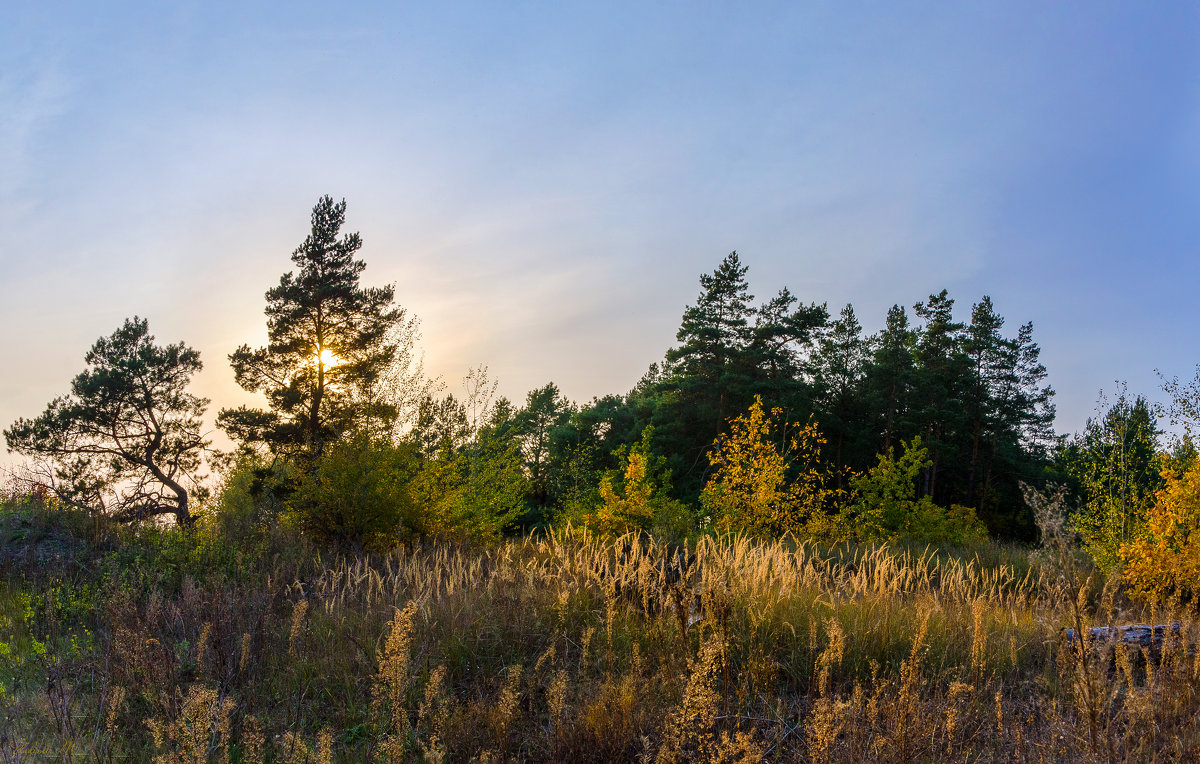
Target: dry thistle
(244, 660)
(979, 637)
(115, 703)
(999, 713)
(739, 748)
(201, 727)
(546, 657)
(293, 749)
(822, 728)
(610, 617)
(432, 714)
(688, 733)
(325, 747)
(561, 607)
(824, 724)
(831, 656)
(910, 679)
(202, 645)
(585, 643)
(505, 709)
(953, 700)
(556, 698)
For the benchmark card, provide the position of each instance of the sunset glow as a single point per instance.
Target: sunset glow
(537, 381)
(328, 359)
(544, 206)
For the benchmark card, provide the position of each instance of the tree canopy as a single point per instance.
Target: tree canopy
(343, 383)
(127, 439)
(330, 343)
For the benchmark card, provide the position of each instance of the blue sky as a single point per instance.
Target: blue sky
(544, 182)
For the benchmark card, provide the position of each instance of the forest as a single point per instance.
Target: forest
(791, 540)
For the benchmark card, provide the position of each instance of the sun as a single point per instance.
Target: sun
(328, 359)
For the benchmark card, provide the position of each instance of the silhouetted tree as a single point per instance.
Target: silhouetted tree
(840, 371)
(541, 430)
(713, 337)
(941, 375)
(126, 441)
(328, 346)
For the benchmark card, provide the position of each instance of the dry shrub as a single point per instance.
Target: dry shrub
(252, 742)
(432, 715)
(393, 681)
(199, 727)
(689, 733)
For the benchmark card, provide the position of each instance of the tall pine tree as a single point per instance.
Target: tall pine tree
(841, 364)
(713, 337)
(942, 370)
(328, 345)
(890, 378)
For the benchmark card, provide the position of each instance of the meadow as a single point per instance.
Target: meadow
(239, 641)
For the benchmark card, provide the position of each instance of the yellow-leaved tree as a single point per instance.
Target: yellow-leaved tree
(637, 497)
(1164, 559)
(759, 489)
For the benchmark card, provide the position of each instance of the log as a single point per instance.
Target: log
(1146, 636)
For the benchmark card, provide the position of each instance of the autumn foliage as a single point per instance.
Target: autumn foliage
(637, 496)
(1164, 560)
(768, 478)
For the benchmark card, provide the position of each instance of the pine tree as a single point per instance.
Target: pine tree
(1029, 399)
(714, 335)
(541, 428)
(785, 332)
(986, 351)
(841, 363)
(729, 352)
(1018, 435)
(942, 370)
(127, 441)
(890, 377)
(328, 346)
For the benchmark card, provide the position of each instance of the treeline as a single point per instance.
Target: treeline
(769, 417)
(975, 398)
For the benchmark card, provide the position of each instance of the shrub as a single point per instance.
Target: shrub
(887, 508)
(473, 492)
(1165, 558)
(359, 492)
(1117, 464)
(637, 496)
(759, 489)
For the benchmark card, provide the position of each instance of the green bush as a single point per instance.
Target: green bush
(637, 496)
(473, 493)
(886, 507)
(358, 492)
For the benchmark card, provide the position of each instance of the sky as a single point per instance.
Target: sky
(544, 182)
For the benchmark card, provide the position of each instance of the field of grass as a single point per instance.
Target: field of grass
(240, 642)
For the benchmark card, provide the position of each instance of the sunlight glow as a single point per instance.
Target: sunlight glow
(328, 359)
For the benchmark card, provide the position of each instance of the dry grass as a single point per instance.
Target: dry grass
(568, 648)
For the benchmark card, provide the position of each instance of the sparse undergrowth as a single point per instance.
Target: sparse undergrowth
(238, 642)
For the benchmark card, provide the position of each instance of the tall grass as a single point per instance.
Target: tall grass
(564, 647)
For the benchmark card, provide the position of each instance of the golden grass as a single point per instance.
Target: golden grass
(571, 648)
